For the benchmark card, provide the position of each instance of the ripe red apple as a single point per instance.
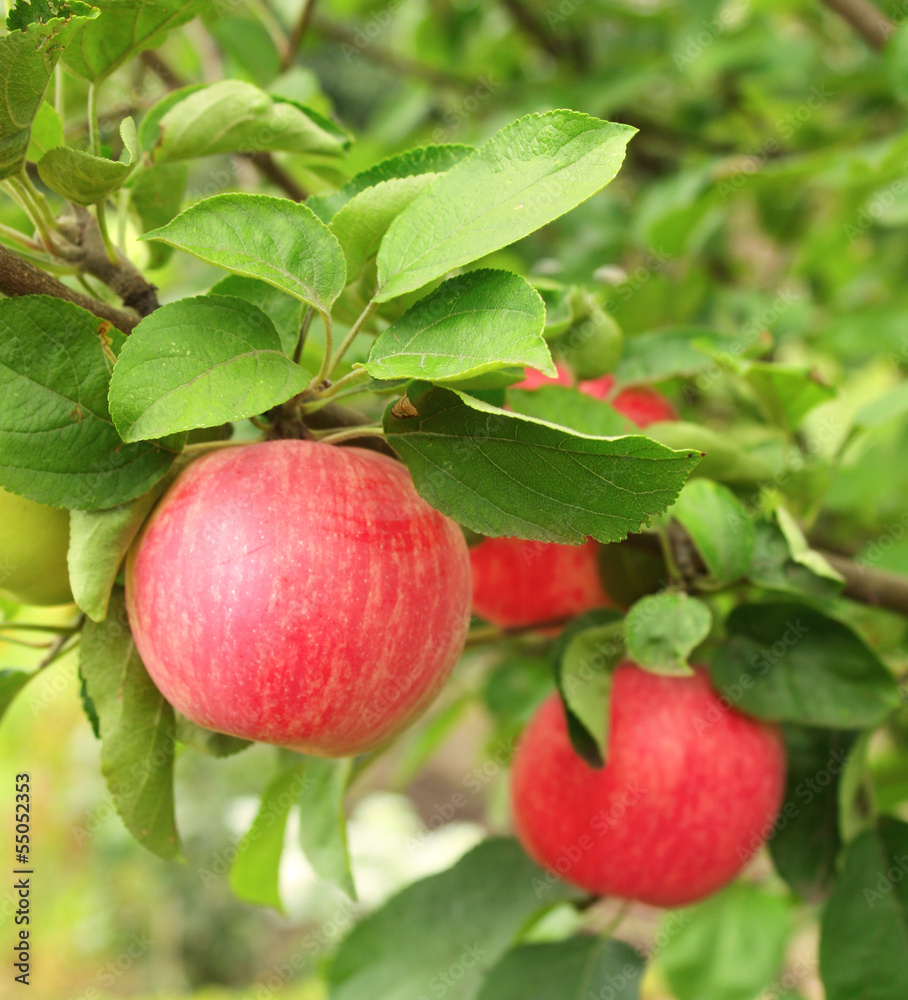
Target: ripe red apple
(518, 582)
(640, 404)
(690, 791)
(300, 594)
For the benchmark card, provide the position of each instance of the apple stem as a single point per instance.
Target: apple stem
(325, 366)
(617, 920)
(326, 394)
(352, 333)
(304, 330)
(333, 437)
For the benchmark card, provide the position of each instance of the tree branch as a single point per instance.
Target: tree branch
(360, 45)
(864, 584)
(19, 277)
(297, 34)
(871, 586)
(866, 18)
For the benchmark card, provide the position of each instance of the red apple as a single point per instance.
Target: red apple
(300, 594)
(642, 405)
(690, 791)
(518, 582)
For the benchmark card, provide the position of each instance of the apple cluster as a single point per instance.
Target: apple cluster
(302, 594)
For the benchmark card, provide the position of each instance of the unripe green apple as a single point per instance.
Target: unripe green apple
(592, 347)
(33, 544)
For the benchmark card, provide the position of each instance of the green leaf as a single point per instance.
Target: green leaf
(362, 223)
(580, 968)
(470, 325)
(723, 458)
(501, 474)
(413, 163)
(262, 237)
(200, 362)
(156, 195)
(790, 662)
(254, 873)
(864, 931)
(233, 115)
(567, 407)
(664, 629)
(98, 542)
(85, 179)
(526, 175)
(662, 354)
(719, 527)
(58, 444)
(125, 28)
(890, 406)
(284, 311)
(584, 657)
(28, 55)
(467, 916)
(207, 741)
(728, 948)
(806, 842)
(137, 731)
(47, 132)
(773, 566)
(787, 392)
(801, 552)
(323, 825)
(11, 683)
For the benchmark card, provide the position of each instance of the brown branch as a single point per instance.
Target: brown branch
(19, 277)
(297, 34)
(359, 45)
(878, 587)
(533, 28)
(867, 20)
(863, 584)
(90, 255)
(264, 163)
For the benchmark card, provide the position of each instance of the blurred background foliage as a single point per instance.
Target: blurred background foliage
(767, 191)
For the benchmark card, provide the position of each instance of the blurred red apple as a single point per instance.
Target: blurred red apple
(518, 582)
(299, 594)
(642, 405)
(690, 791)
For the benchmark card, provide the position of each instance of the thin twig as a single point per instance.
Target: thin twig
(353, 40)
(297, 34)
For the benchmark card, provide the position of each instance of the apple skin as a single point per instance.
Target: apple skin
(300, 594)
(518, 582)
(33, 543)
(690, 791)
(640, 404)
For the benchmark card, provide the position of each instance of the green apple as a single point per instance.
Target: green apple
(33, 544)
(593, 345)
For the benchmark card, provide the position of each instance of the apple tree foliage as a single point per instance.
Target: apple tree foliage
(398, 304)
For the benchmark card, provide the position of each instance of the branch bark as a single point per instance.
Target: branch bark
(298, 33)
(360, 45)
(867, 20)
(863, 584)
(19, 277)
